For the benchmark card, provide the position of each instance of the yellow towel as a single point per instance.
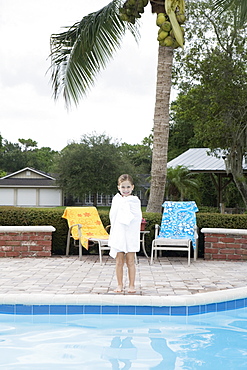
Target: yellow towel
(88, 217)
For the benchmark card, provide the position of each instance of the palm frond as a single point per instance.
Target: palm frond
(240, 7)
(79, 53)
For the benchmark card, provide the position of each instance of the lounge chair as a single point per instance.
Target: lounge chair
(178, 230)
(85, 226)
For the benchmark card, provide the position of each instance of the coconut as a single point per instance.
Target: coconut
(140, 3)
(162, 35)
(129, 11)
(172, 34)
(168, 41)
(166, 26)
(136, 14)
(132, 19)
(124, 17)
(161, 18)
(180, 18)
(175, 44)
(140, 9)
(162, 43)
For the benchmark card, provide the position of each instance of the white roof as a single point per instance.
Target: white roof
(41, 173)
(199, 160)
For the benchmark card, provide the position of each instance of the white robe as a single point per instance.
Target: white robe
(125, 218)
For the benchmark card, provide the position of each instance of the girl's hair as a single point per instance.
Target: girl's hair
(125, 177)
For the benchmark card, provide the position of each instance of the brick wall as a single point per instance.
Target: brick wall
(25, 241)
(225, 244)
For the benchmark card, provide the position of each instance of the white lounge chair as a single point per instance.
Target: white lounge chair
(178, 230)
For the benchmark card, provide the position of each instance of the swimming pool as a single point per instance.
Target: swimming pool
(216, 340)
(204, 331)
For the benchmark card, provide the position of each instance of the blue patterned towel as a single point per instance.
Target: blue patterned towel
(179, 221)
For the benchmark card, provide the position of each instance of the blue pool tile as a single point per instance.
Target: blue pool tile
(211, 307)
(93, 309)
(58, 309)
(240, 303)
(178, 310)
(127, 310)
(231, 305)
(164, 310)
(144, 310)
(23, 309)
(203, 308)
(75, 309)
(194, 310)
(110, 310)
(7, 308)
(41, 309)
(221, 306)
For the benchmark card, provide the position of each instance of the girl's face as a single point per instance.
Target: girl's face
(125, 188)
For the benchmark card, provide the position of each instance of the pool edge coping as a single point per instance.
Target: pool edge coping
(124, 300)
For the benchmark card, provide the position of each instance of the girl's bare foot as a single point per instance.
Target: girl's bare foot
(131, 289)
(119, 289)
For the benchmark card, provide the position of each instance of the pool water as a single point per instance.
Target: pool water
(212, 341)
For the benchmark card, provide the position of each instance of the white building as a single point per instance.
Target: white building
(30, 188)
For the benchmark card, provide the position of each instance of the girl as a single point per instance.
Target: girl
(124, 239)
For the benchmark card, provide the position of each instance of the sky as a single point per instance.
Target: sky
(119, 105)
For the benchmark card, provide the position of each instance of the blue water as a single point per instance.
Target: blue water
(212, 341)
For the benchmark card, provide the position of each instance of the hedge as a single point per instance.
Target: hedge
(15, 216)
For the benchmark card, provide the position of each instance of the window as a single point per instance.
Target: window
(89, 198)
(109, 199)
(99, 198)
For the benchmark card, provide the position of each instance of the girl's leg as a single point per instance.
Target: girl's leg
(130, 261)
(119, 271)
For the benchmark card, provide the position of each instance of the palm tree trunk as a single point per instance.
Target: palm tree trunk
(236, 164)
(161, 129)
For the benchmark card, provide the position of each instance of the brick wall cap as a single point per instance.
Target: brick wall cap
(17, 229)
(206, 230)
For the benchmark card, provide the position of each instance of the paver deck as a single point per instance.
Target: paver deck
(166, 277)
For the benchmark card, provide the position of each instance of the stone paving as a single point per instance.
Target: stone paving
(166, 277)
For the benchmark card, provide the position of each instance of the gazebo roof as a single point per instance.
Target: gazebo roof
(200, 160)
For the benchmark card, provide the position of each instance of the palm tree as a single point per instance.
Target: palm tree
(78, 54)
(181, 183)
(240, 6)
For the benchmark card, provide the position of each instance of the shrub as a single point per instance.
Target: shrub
(218, 220)
(15, 216)
(206, 209)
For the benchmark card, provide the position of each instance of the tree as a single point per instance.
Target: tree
(182, 131)
(139, 155)
(181, 183)
(42, 159)
(13, 157)
(28, 143)
(91, 166)
(215, 89)
(78, 54)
